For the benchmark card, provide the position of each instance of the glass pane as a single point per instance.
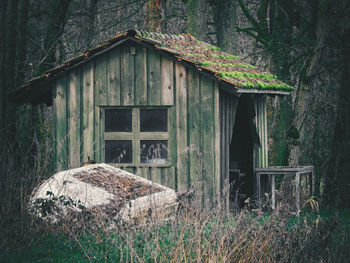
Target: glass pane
(118, 120)
(153, 120)
(154, 152)
(118, 151)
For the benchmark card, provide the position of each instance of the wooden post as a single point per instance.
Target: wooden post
(311, 176)
(258, 188)
(297, 190)
(273, 198)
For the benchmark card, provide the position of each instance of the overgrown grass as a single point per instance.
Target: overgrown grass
(250, 236)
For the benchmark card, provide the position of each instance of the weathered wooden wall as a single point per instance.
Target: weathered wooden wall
(146, 78)
(196, 128)
(261, 152)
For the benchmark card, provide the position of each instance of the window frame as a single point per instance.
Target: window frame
(136, 136)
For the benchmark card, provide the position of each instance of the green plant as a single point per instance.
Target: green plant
(250, 236)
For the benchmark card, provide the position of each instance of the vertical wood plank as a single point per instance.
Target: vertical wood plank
(262, 135)
(227, 152)
(224, 119)
(266, 152)
(256, 147)
(168, 177)
(156, 175)
(142, 171)
(128, 80)
(154, 80)
(88, 111)
(261, 125)
(100, 78)
(98, 133)
(255, 151)
(141, 76)
(222, 146)
(217, 150)
(136, 135)
(167, 81)
(194, 129)
(260, 152)
(74, 118)
(261, 160)
(113, 80)
(181, 128)
(208, 139)
(172, 139)
(60, 103)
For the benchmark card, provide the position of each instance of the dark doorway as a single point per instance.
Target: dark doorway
(241, 152)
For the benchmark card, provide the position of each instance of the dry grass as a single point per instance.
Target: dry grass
(248, 236)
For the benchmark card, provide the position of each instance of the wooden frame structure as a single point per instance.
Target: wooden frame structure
(272, 171)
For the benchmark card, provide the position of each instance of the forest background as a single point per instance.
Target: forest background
(305, 43)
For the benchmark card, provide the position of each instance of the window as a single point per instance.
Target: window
(137, 136)
(153, 120)
(118, 151)
(153, 151)
(118, 120)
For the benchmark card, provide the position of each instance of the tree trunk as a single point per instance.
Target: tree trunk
(156, 15)
(281, 32)
(337, 183)
(197, 18)
(22, 51)
(225, 24)
(10, 77)
(92, 15)
(87, 21)
(3, 43)
(58, 11)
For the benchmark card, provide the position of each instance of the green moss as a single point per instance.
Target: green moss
(244, 75)
(231, 57)
(214, 48)
(225, 65)
(244, 80)
(247, 66)
(248, 85)
(206, 63)
(218, 62)
(224, 56)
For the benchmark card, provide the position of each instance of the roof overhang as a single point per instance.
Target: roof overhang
(267, 92)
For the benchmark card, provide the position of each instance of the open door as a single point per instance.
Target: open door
(241, 153)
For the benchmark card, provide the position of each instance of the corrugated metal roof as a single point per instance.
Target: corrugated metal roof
(227, 68)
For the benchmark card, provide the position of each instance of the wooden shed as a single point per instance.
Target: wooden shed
(170, 108)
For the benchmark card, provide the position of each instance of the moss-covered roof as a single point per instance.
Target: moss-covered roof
(185, 48)
(226, 67)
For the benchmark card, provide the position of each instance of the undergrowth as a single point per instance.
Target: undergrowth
(248, 236)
